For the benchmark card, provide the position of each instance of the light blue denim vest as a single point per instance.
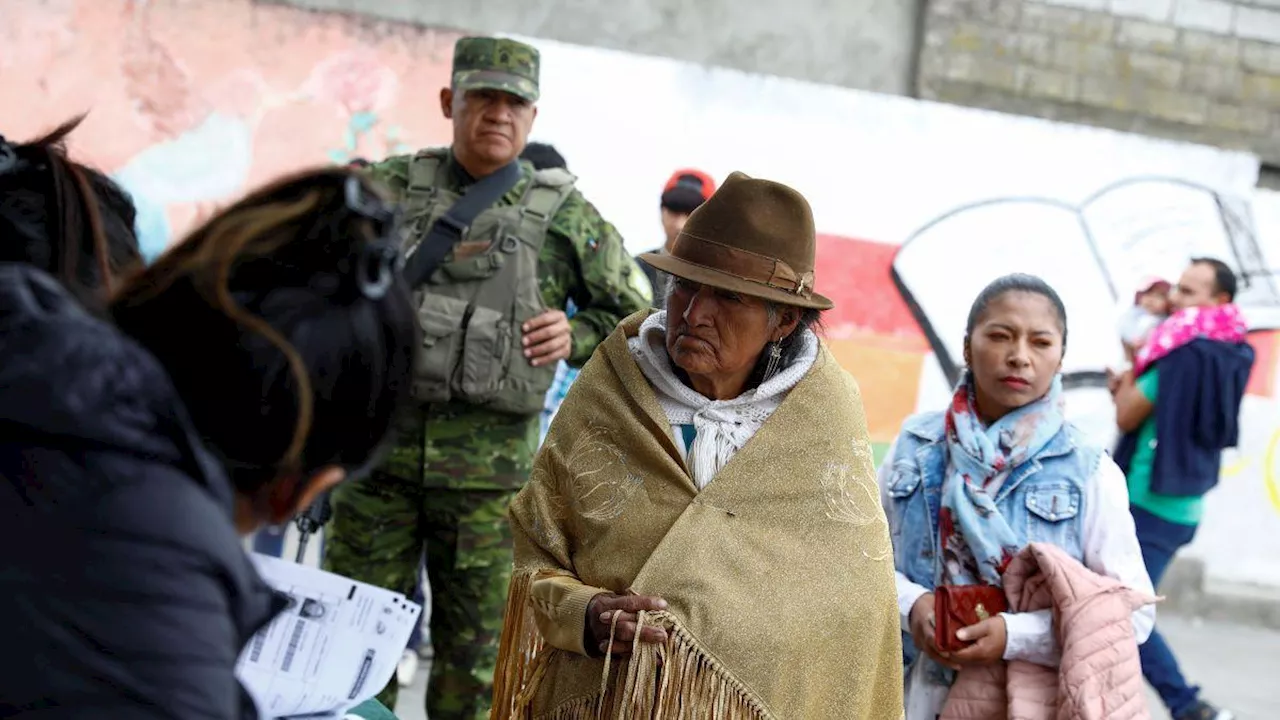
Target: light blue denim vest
(1042, 500)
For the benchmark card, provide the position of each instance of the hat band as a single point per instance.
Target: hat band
(745, 264)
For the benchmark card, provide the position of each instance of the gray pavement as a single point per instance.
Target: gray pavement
(1237, 667)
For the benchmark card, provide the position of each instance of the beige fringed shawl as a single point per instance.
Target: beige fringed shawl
(779, 575)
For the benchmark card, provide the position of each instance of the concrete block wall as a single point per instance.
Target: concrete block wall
(864, 44)
(1200, 70)
(1205, 71)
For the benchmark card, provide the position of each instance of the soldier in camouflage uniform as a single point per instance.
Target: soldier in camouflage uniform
(494, 330)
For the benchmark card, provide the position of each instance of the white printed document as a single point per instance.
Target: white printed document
(334, 647)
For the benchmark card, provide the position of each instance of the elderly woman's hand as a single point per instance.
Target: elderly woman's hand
(600, 621)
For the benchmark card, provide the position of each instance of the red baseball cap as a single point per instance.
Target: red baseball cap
(686, 190)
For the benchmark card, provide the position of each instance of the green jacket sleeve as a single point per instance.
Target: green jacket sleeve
(604, 282)
(392, 174)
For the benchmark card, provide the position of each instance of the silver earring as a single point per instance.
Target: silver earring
(775, 359)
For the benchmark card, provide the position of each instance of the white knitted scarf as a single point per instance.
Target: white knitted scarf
(722, 426)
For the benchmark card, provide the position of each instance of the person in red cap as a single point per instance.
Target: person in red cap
(683, 193)
(1150, 308)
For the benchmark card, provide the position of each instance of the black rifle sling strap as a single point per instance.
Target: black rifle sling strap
(448, 229)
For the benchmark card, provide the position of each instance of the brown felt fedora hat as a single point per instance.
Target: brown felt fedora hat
(753, 237)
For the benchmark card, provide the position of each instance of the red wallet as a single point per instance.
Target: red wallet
(959, 606)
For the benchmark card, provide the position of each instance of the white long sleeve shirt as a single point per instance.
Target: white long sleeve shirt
(1110, 548)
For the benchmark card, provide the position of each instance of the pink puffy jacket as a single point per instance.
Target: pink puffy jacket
(1099, 678)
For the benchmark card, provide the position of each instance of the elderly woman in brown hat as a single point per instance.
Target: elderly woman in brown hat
(702, 534)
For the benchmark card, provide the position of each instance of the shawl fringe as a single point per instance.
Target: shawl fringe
(677, 680)
(521, 660)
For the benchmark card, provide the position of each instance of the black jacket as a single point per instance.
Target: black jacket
(124, 589)
(1197, 416)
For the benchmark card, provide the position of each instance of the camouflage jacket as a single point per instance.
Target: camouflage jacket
(583, 260)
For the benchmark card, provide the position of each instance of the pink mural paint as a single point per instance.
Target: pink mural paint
(357, 81)
(191, 103)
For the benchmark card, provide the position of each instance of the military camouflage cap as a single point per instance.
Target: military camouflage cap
(488, 63)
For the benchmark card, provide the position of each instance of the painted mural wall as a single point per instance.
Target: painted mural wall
(918, 204)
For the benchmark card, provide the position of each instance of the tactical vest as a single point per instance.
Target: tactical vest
(471, 310)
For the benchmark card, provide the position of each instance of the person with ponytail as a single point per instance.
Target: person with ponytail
(64, 217)
(1020, 583)
(252, 368)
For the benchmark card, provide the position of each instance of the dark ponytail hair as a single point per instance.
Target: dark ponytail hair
(286, 326)
(1016, 282)
(63, 217)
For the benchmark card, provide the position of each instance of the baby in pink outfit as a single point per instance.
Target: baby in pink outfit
(1151, 307)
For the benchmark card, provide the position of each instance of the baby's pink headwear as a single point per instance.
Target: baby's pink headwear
(1149, 283)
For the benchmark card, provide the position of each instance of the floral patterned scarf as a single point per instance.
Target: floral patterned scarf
(976, 540)
(1223, 323)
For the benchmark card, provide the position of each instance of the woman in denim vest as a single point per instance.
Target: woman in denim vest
(967, 487)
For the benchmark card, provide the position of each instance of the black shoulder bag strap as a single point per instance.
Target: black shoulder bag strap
(447, 230)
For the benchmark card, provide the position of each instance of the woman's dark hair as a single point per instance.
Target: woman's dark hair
(1017, 282)
(63, 217)
(286, 326)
